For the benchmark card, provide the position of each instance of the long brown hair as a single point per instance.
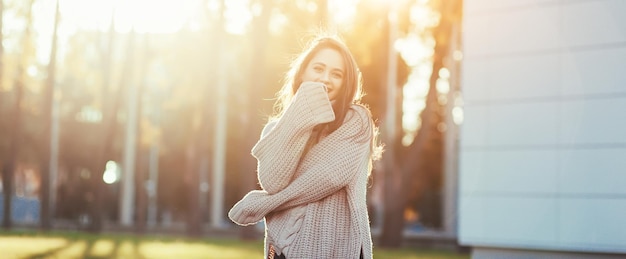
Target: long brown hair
(351, 90)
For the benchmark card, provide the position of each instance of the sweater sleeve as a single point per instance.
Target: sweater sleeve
(279, 149)
(343, 155)
(340, 155)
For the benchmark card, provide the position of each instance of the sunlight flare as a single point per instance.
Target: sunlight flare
(145, 16)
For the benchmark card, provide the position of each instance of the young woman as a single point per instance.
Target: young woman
(314, 160)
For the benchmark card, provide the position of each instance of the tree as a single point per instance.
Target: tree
(259, 35)
(48, 99)
(412, 165)
(109, 124)
(6, 187)
(16, 129)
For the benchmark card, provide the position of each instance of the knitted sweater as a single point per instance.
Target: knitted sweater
(316, 209)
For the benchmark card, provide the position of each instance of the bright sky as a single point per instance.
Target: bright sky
(342, 12)
(151, 16)
(169, 16)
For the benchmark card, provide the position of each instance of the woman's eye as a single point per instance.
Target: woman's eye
(337, 75)
(318, 69)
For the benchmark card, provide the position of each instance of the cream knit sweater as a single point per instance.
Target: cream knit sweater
(317, 209)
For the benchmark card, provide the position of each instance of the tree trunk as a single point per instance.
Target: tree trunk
(393, 217)
(140, 166)
(5, 168)
(259, 34)
(392, 233)
(16, 130)
(194, 224)
(109, 125)
(107, 132)
(431, 116)
(47, 162)
(194, 221)
(8, 171)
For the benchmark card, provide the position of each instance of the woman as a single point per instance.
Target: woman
(314, 160)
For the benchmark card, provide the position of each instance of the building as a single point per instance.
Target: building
(542, 169)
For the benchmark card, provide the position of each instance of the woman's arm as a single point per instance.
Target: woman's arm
(279, 150)
(341, 155)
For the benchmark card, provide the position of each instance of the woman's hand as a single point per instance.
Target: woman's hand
(251, 209)
(318, 84)
(313, 84)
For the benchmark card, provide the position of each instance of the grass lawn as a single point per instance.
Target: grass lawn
(82, 245)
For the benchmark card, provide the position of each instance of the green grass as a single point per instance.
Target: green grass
(82, 245)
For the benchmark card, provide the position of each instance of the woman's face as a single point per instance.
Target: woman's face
(326, 67)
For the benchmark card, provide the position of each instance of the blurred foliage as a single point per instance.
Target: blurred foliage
(178, 75)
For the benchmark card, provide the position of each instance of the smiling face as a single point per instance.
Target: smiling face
(326, 60)
(326, 67)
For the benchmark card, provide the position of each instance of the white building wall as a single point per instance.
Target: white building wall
(543, 143)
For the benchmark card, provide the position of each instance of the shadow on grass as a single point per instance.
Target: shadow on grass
(88, 251)
(242, 245)
(136, 253)
(52, 251)
(115, 251)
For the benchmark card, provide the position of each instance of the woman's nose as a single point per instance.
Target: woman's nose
(324, 77)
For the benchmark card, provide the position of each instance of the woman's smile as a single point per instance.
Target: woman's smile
(326, 67)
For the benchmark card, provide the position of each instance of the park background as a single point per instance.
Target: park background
(139, 116)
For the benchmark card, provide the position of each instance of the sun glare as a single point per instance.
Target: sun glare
(145, 16)
(112, 173)
(151, 16)
(237, 16)
(342, 12)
